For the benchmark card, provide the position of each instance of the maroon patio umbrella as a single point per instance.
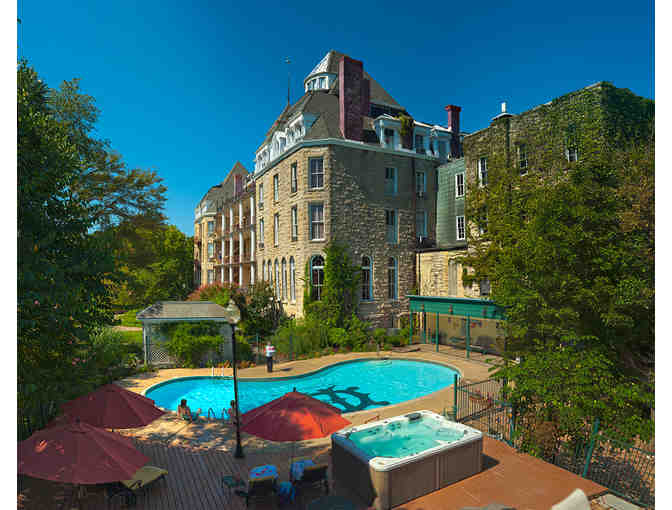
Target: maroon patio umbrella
(79, 453)
(113, 407)
(293, 417)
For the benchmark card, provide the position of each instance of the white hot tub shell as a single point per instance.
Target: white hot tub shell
(385, 482)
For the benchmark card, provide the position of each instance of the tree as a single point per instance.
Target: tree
(62, 297)
(115, 193)
(170, 275)
(575, 273)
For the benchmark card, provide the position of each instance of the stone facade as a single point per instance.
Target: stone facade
(355, 202)
(439, 273)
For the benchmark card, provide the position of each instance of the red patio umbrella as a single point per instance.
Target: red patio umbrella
(113, 407)
(293, 417)
(79, 453)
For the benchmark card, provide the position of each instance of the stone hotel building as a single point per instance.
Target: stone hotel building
(346, 162)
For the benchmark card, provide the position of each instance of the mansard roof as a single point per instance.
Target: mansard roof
(225, 190)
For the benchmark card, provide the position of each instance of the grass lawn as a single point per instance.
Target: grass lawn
(128, 319)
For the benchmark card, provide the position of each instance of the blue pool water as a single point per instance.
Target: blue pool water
(403, 438)
(352, 386)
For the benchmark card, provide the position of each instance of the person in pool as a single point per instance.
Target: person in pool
(183, 411)
(232, 412)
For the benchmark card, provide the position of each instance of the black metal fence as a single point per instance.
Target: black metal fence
(626, 470)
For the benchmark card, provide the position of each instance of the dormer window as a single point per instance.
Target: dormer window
(323, 82)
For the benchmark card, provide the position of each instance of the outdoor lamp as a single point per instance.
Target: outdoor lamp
(234, 318)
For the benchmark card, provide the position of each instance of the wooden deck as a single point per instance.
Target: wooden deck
(194, 481)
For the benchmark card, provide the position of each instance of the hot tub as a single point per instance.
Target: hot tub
(389, 462)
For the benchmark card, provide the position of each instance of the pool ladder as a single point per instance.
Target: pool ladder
(214, 414)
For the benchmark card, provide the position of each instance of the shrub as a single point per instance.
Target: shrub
(379, 335)
(338, 336)
(358, 332)
(243, 351)
(190, 341)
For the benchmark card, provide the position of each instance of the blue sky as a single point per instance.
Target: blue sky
(189, 88)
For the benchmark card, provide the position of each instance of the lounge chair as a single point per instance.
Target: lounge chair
(261, 488)
(294, 461)
(144, 477)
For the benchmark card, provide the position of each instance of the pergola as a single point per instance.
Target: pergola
(472, 312)
(183, 311)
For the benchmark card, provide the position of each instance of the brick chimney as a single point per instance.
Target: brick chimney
(454, 126)
(353, 97)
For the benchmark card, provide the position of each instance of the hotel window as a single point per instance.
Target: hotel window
(392, 278)
(261, 232)
(459, 220)
(421, 223)
(442, 150)
(572, 154)
(211, 276)
(276, 228)
(484, 286)
(367, 290)
(323, 82)
(389, 137)
(459, 185)
(284, 280)
(391, 222)
(211, 249)
(211, 227)
(316, 173)
(276, 278)
(522, 159)
(276, 188)
(269, 277)
(317, 276)
(419, 144)
(572, 147)
(261, 195)
(390, 181)
(317, 222)
(420, 182)
(294, 184)
(292, 279)
(295, 224)
(483, 171)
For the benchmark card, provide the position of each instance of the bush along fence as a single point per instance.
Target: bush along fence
(626, 470)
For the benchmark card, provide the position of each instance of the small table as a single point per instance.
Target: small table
(264, 471)
(331, 503)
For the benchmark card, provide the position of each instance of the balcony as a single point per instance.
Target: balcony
(197, 240)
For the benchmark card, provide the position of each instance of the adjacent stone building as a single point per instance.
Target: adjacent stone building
(548, 138)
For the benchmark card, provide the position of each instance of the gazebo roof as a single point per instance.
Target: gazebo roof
(166, 311)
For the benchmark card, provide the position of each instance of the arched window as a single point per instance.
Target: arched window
(367, 290)
(392, 278)
(284, 279)
(263, 269)
(269, 270)
(317, 276)
(277, 278)
(292, 279)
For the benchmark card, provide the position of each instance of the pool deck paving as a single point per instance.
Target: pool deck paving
(198, 454)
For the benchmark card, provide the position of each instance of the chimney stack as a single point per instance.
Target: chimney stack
(353, 93)
(454, 127)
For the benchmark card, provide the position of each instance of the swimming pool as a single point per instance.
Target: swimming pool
(350, 386)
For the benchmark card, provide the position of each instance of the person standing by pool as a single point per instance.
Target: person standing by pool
(270, 351)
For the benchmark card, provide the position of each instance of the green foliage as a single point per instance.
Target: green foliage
(379, 336)
(243, 350)
(61, 268)
(358, 333)
(340, 292)
(189, 342)
(338, 336)
(216, 292)
(569, 251)
(570, 386)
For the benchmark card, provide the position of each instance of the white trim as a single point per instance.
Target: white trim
(457, 186)
(457, 228)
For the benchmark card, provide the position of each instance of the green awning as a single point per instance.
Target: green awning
(482, 308)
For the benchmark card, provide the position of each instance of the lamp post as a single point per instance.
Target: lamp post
(239, 448)
(234, 317)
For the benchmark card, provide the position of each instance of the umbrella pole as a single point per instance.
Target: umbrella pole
(239, 449)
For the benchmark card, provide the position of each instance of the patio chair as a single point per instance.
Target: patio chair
(294, 461)
(261, 489)
(314, 476)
